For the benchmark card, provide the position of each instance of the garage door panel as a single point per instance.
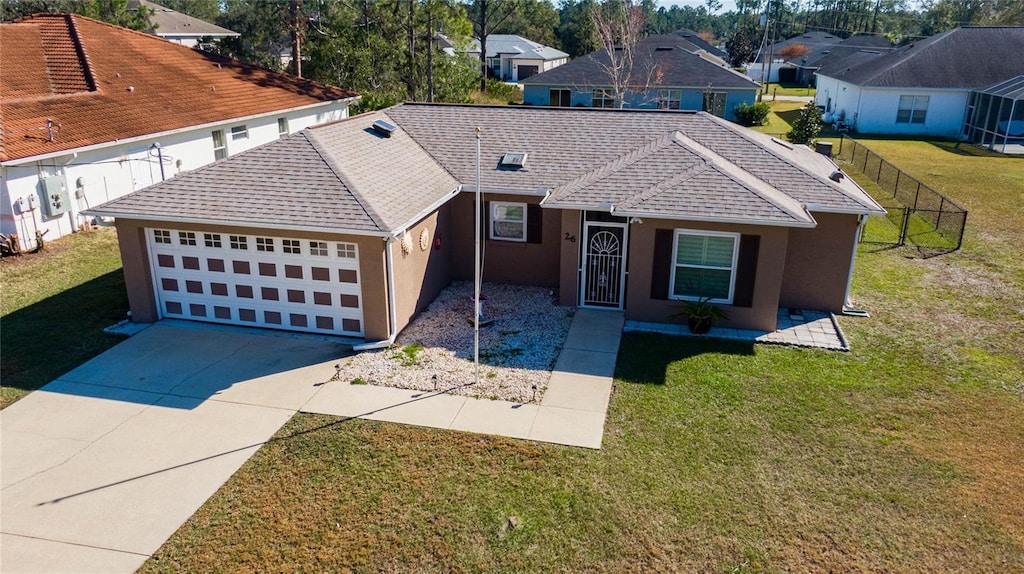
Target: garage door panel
(255, 280)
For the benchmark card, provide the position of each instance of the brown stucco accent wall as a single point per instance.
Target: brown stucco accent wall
(139, 278)
(571, 238)
(420, 275)
(818, 263)
(767, 284)
(505, 261)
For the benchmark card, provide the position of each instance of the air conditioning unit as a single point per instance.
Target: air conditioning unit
(55, 198)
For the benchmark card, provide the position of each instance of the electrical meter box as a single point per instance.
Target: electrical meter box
(54, 192)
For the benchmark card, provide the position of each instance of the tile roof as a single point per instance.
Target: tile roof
(675, 62)
(966, 58)
(103, 83)
(340, 175)
(167, 22)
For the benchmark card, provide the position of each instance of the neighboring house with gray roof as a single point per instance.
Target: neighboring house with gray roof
(669, 72)
(513, 58)
(352, 228)
(924, 88)
(180, 28)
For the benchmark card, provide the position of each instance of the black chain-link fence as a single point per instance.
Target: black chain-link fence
(917, 213)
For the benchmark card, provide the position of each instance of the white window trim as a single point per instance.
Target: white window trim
(241, 134)
(675, 265)
(283, 122)
(494, 217)
(913, 108)
(222, 147)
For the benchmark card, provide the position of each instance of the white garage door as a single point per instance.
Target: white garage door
(257, 281)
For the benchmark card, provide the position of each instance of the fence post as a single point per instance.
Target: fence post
(942, 204)
(878, 177)
(906, 224)
(963, 225)
(842, 137)
(917, 194)
(896, 188)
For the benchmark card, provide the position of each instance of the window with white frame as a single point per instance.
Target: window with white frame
(508, 221)
(291, 246)
(239, 133)
(264, 244)
(187, 237)
(912, 109)
(238, 242)
(669, 99)
(162, 236)
(704, 265)
(282, 127)
(220, 149)
(602, 98)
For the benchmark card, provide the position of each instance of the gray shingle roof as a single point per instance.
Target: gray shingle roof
(692, 37)
(566, 143)
(814, 40)
(343, 177)
(822, 55)
(169, 22)
(678, 62)
(969, 57)
(517, 48)
(332, 177)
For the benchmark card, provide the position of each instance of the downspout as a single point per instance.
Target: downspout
(861, 221)
(389, 263)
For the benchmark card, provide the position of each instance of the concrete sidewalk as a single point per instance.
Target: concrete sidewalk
(572, 411)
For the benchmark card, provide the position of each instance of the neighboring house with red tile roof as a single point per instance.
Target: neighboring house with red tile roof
(362, 222)
(90, 112)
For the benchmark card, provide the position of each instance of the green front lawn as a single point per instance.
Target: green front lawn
(54, 306)
(903, 455)
(787, 90)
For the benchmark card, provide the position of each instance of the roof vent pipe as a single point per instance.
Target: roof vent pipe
(836, 176)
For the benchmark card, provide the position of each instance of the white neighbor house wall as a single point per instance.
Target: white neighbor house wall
(873, 110)
(108, 171)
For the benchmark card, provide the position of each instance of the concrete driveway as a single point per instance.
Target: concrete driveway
(100, 467)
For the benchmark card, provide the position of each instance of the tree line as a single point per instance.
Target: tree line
(389, 50)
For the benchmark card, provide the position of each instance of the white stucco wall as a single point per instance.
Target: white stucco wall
(110, 171)
(873, 110)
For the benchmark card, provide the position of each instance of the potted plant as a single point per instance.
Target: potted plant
(701, 314)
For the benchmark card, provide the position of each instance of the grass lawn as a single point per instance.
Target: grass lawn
(788, 90)
(781, 117)
(903, 455)
(54, 306)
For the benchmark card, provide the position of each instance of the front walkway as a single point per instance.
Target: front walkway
(816, 329)
(571, 412)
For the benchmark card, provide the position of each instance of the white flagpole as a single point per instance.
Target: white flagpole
(476, 272)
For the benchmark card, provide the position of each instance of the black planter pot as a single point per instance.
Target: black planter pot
(699, 325)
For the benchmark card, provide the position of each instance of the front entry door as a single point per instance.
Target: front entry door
(604, 264)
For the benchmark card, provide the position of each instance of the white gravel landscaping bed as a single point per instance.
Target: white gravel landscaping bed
(517, 351)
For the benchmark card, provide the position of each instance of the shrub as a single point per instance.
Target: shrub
(752, 114)
(806, 126)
